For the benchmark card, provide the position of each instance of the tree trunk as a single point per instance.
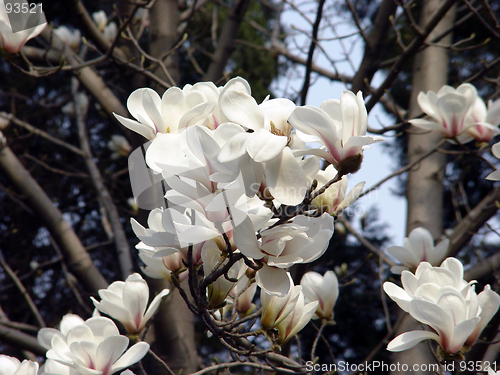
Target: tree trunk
(425, 182)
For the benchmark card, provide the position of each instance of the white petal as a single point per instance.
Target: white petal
(273, 280)
(408, 340)
(131, 356)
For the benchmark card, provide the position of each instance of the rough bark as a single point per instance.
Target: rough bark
(425, 182)
(225, 43)
(165, 18)
(77, 258)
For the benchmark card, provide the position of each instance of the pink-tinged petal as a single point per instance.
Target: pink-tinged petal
(398, 295)
(238, 107)
(263, 146)
(145, 130)
(136, 296)
(131, 356)
(315, 121)
(273, 280)
(286, 181)
(460, 334)
(408, 340)
(453, 109)
(276, 308)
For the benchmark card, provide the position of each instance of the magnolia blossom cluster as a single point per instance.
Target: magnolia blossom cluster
(95, 346)
(231, 167)
(440, 298)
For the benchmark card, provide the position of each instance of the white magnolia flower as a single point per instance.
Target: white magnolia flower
(96, 347)
(119, 145)
(495, 175)
(324, 289)
(12, 41)
(101, 19)
(70, 37)
(334, 199)
(174, 111)
(440, 298)
(68, 322)
(340, 126)
(12, 366)
(418, 247)
(126, 301)
(110, 31)
(453, 110)
(303, 240)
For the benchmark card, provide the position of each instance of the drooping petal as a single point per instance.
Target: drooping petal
(408, 340)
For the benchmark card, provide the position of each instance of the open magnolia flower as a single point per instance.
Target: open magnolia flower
(96, 347)
(126, 301)
(418, 247)
(174, 111)
(303, 240)
(12, 366)
(13, 41)
(324, 289)
(340, 126)
(454, 111)
(440, 298)
(275, 308)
